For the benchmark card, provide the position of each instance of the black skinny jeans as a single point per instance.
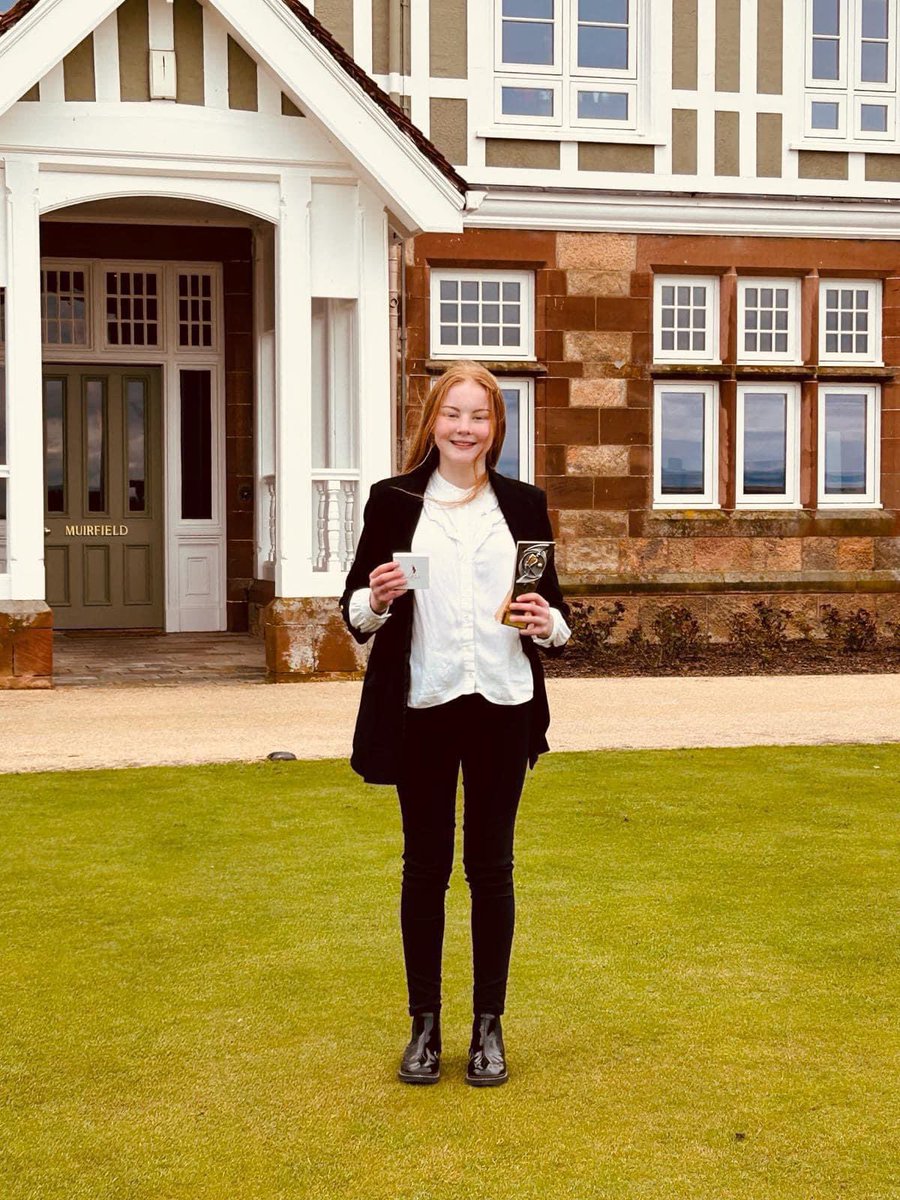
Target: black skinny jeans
(490, 741)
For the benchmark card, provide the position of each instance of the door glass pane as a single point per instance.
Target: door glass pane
(765, 443)
(95, 444)
(55, 444)
(196, 445)
(845, 444)
(509, 461)
(683, 443)
(136, 424)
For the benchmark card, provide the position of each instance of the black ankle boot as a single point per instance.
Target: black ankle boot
(422, 1057)
(487, 1056)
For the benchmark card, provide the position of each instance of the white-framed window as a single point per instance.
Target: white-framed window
(686, 318)
(568, 62)
(517, 455)
(850, 321)
(685, 445)
(849, 453)
(851, 69)
(65, 304)
(768, 439)
(826, 115)
(768, 320)
(482, 314)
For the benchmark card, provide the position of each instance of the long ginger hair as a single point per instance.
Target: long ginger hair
(423, 442)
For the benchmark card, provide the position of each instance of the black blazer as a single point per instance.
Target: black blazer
(389, 523)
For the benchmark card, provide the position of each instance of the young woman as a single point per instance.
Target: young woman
(448, 685)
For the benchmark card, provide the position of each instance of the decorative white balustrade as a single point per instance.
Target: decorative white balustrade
(335, 517)
(335, 504)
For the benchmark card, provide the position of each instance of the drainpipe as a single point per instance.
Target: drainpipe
(397, 255)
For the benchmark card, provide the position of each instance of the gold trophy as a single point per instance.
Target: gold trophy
(532, 560)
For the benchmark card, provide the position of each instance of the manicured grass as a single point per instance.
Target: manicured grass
(202, 992)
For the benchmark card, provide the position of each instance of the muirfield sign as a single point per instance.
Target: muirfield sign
(96, 531)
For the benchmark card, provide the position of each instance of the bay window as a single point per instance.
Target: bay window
(851, 75)
(567, 62)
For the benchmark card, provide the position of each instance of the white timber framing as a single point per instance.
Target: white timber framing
(265, 167)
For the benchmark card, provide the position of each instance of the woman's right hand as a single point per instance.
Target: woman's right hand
(387, 582)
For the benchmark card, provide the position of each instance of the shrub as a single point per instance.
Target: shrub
(850, 631)
(592, 628)
(676, 636)
(765, 633)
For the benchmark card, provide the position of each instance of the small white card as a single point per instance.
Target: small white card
(415, 567)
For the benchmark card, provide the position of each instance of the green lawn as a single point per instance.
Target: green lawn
(202, 992)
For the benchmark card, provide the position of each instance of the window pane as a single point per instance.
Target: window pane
(874, 18)
(613, 11)
(873, 118)
(824, 115)
(136, 403)
(525, 42)
(683, 443)
(55, 445)
(527, 102)
(4, 562)
(63, 308)
(765, 443)
(688, 314)
(825, 59)
(874, 64)
(603, 106)
(845, 444)
(334, 384)
(826, 16)
(508, 463)
(196, 445)
(528, 8)
(600, 46)
(95, 444)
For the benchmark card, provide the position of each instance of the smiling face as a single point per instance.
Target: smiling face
(463, 431)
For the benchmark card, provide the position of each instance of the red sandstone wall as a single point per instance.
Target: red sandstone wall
(593, 413)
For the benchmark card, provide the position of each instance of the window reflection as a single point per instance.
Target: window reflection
(55, 444)
(509, 462)
(765, 444)
(136, 403)
(845, 444)
(683, 443)
(95, 444)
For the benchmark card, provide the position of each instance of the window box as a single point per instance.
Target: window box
(849, 450)
(768, 437)
(685, 445)
(482, 314)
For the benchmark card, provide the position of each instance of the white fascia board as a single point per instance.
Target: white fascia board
(596, 212)
(409, 184)
(42, 38)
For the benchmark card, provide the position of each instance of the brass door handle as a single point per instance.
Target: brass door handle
(47, 531)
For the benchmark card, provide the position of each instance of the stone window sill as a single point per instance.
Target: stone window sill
(851, 373)
(507, 366)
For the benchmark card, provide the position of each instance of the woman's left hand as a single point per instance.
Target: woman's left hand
(531, 613)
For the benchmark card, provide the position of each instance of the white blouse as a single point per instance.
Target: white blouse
(458, 646)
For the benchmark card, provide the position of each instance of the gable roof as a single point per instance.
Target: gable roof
(347, 64)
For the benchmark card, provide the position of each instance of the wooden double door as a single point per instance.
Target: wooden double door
(103, 484)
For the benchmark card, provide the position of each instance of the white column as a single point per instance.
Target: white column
(24, 389)
(374, 374)
(293, 394)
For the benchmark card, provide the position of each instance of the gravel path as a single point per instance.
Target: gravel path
(118, 727)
